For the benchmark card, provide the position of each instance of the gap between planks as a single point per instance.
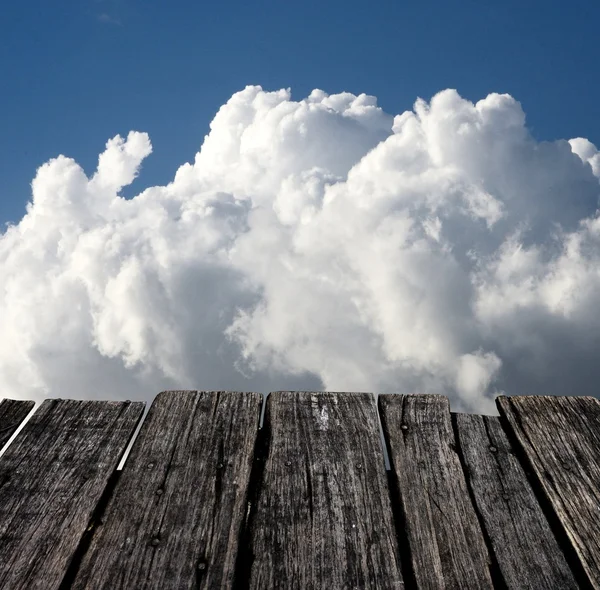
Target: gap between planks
(20, 427)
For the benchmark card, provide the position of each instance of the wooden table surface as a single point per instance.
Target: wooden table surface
(207, 499)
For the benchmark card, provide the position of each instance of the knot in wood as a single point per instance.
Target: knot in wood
(202, 566)
(288, 463)
(159, 492)
(493, 449)
(150, 465)
(155, 542)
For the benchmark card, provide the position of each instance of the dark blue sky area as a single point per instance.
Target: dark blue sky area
(77, 72)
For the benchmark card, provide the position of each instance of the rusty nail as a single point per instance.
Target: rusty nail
(202, 566)
(288, 463)
(359, 466)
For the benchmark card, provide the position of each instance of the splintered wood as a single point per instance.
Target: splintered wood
(176, 515)
(448, 549)
(53, 477)
(560, 437)
(527, 553)
(207, 499)
(323, 515)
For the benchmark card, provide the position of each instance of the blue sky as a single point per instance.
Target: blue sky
(75, 73)
(307, 246)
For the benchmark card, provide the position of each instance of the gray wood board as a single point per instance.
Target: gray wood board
(12, 413)
(560, 437)
(447, 546)
(525, 548)
(52, 477)
(323, 516)
(177, 512)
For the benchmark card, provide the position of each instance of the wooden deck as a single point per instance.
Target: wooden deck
(208, 500)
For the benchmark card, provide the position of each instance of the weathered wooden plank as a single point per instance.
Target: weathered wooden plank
(447, 546)
(176, 516)
(525, 549)
(560, 437)
(51, 479)
(12, 413)
(323, 515)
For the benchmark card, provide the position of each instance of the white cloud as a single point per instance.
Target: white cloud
(317, 243)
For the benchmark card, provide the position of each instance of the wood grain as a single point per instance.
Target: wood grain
(560, 437)
(12, 413)
(323, 516)
(447, 546)
(175, 518)
(525, 548)
(51, 479)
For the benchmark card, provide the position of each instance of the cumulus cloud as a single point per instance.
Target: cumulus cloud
(320, 243)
